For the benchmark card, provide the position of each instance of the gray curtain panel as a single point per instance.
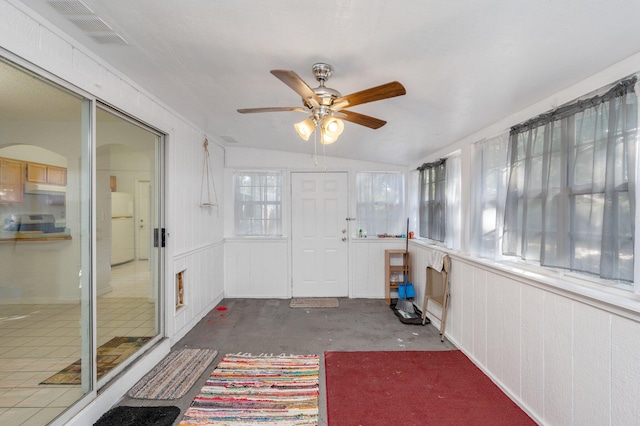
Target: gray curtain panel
(433, 200)
(570, 196)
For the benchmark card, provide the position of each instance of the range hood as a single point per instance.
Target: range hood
(43, 189)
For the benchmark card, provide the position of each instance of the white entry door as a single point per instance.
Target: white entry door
(319, 235)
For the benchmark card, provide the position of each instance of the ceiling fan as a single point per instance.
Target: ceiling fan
(327, 107)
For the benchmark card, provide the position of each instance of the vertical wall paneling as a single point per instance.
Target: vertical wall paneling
(366, 267)
(454, 316)
(557, 365)
(20, 30)
(562, 360)
(625, 371)
(495, 295)
(467, 298)
(204, 287)
(534, 322)
(512, 313)
(257, 268)
(591, 346)
(361, 270)
(480, 316)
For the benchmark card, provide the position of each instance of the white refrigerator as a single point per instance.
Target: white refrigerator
(122, 228)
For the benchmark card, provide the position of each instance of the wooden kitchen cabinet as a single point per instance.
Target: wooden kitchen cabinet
(56, 175)
(11, 181)
(36, 173)
(43, 173)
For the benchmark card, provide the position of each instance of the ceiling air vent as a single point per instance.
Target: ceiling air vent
(90, 23)
(70, 7)
(108, 38)
(228, 139)
(94, 26)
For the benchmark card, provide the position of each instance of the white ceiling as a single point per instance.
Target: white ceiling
(465, 64)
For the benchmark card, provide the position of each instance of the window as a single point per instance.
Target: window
(488, 192)
(258, 203)
(453, 212)
(380, 202)
(570, 200)
(432, 200)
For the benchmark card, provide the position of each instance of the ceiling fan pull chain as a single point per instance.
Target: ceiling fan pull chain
(315, 148)
(324, 146)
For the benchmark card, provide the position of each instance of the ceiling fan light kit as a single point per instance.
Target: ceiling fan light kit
(305, 128)
(332, 128)
(326, 106)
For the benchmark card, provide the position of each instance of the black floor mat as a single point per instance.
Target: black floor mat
(139, 416)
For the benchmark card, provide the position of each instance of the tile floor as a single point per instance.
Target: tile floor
(37, 341)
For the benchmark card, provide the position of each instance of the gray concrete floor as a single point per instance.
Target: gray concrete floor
(270, 326)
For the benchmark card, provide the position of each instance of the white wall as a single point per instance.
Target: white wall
(565, 350)
(261, 267)
(565, 359)
(195, 233)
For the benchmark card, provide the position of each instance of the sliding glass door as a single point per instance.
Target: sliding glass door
(80, 293)
(127, 212)
(46, 330)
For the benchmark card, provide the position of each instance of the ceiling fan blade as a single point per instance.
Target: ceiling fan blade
(361, 119)
(292, 80)
(271, 109)
(377, 93)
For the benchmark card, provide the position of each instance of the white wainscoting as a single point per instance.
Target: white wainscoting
(366, 265)
(260, 268)
(203, 287)
(564, 359)
(257, 268)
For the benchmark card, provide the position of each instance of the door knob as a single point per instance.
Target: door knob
(344, 239)
(344, 231)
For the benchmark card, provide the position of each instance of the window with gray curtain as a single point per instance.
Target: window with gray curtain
(380, 202)
(258, 203)
(433, 200)
(571, 191)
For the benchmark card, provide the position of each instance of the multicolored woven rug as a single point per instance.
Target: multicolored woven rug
(108, 356)
(174, 375)
(265, 389)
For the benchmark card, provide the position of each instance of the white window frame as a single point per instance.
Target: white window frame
(368, 202)
(268, 200)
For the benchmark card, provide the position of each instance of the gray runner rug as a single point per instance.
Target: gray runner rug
(314, 302)
(174, 375)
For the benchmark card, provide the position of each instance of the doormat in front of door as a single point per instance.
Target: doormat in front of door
(314, 302)
(108, 356)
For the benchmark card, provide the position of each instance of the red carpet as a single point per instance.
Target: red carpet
(414, 388)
